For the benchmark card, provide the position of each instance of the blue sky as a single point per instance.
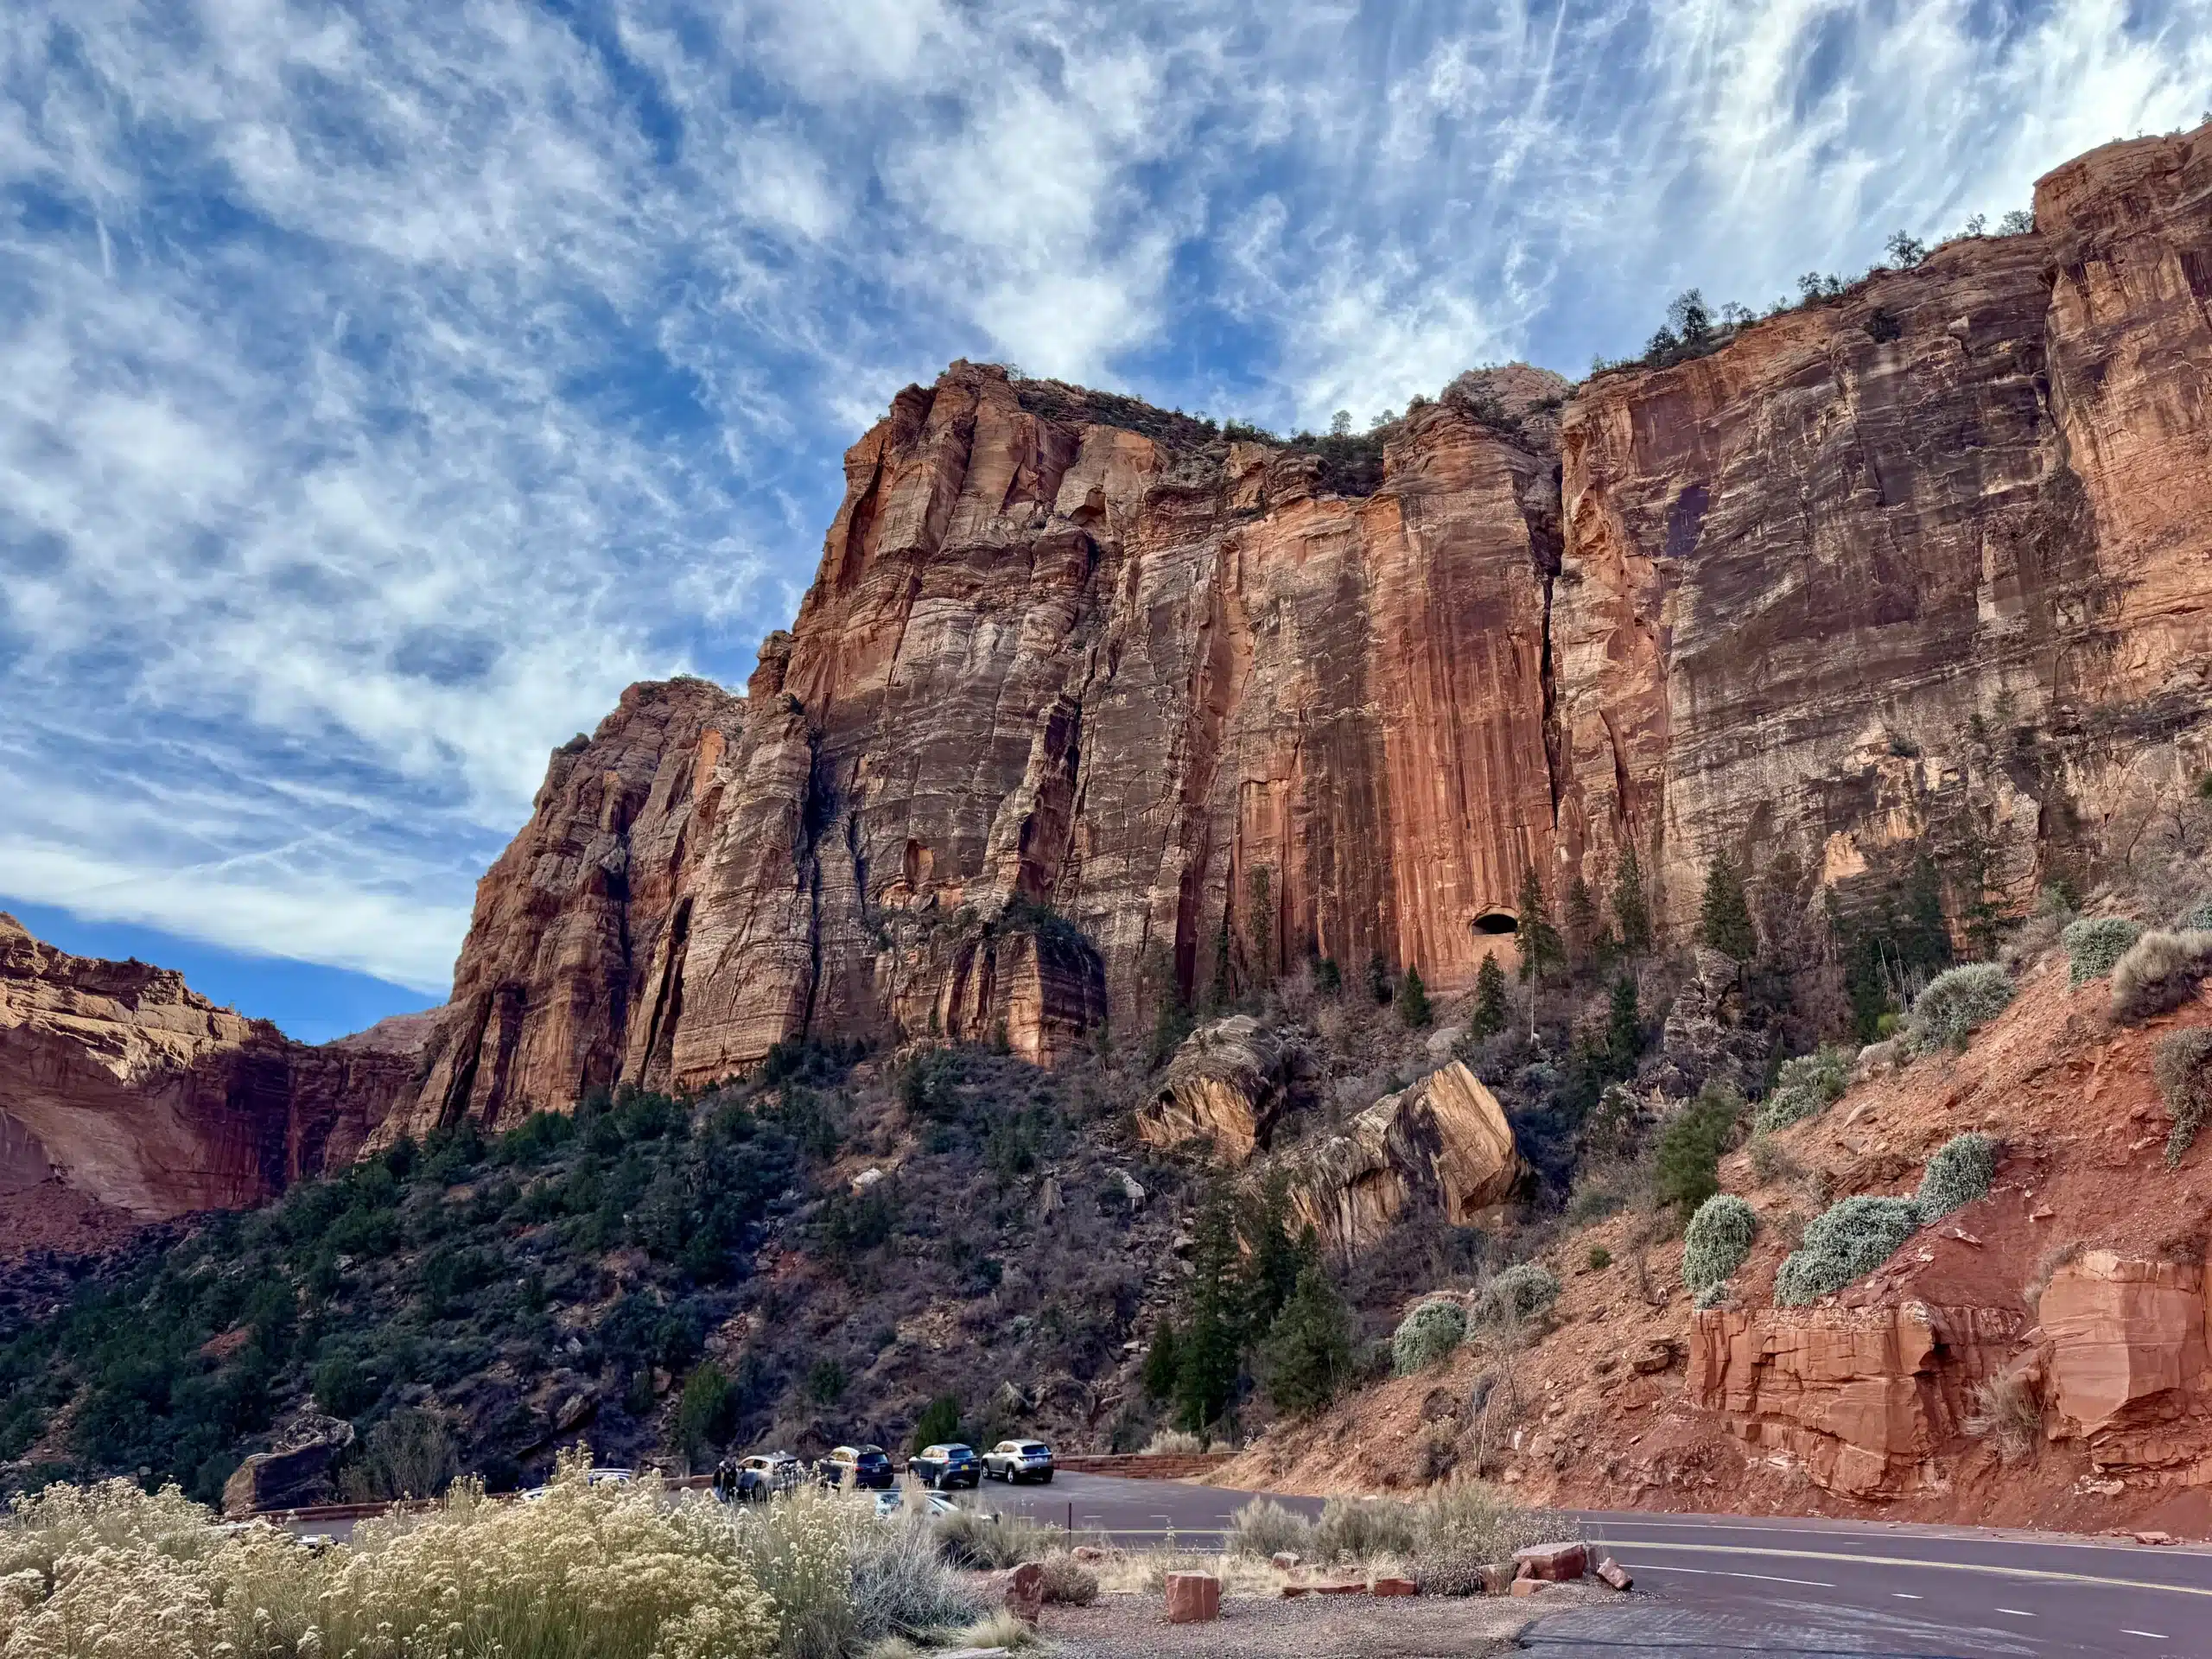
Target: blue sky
(383, 387)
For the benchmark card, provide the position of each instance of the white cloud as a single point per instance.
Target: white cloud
(385, 384)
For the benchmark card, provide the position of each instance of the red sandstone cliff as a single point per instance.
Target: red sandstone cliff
(1063, 692)
(1077, 680)
(128, 1088)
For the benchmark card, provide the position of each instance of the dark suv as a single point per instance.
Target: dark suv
(947, 1466)
(856, 1466)
(1013, 1460)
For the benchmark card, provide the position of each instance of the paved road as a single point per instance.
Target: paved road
(1745, 1584)
(1753, 1585)
(1734, 1585)
(1138, 1513)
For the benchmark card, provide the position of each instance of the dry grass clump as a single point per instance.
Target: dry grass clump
(902, 1588)
(1068, 1581)
(1466, 1526)
(990, 1542)
(2182, 1063)
(2159, 971)
(1173, 1443)
(2008, 1415)
(1264, 1528)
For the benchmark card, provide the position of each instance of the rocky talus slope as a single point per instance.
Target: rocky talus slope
(133, 1093)
(1091, 706)
(2080, 1277)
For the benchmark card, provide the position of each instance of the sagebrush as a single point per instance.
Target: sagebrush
(1956, 1002)
(1957, 1175)
(2095, 944)
(1427, 1335)
(2159, 971)
(1805, 1087)
(1521, 1292)
(2182, 1064)
(1844, 1243)
(1716, 1242)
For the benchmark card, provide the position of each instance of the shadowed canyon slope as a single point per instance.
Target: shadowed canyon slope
(132, 1089)
(1091, 705)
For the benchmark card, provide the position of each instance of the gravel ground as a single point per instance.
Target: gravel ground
(1311, 1627)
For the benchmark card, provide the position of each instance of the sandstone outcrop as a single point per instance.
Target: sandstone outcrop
(1224, 1085)
(294, 1475)
(1443, 1143)
(1860, 1396)
(132, 1089)
(1088, 706)
(2126, 1353)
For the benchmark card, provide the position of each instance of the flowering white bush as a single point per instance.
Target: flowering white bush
(608, 1572)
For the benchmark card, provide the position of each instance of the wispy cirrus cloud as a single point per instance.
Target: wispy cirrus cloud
(387, 384)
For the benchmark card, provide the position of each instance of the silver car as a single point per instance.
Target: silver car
(1013, 1460)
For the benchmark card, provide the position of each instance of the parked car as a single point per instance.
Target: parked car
(592, 1477)
(947, 1466)
(765, 1474)
(1013, 1461)
(889, 1504)
(856, 1466)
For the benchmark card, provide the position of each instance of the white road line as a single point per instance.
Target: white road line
(2156, 1635)
(1714, 1573)
(2015, 1612)
(1906, 1595)
(2032, 1574)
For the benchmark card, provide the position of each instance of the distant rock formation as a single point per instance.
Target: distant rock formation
(1225, 1086)
(1442, 1145)
(132, 1089)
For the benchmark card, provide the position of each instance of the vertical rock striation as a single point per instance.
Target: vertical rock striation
(1088, 708)
(1933, 560)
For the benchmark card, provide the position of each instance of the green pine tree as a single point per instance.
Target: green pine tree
(1306, 1359)
(1631, 910)
(1412, 1002)
(1725, 917)
(1582, 924)
(1489, 1014)
(1210, 1349)
(1541, 951)
(1270, 1259)
(1163, 1362)
(1624, 1028)
(1690, 1147)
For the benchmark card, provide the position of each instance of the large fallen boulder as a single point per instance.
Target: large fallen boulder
(1225, 1086)
(293, 1476)
(1443, 1143)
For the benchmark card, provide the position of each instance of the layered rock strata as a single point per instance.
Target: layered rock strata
(1077, 717)
(1225, 1087)
(127, 1086)
(1091, 707)
(1442, 1145)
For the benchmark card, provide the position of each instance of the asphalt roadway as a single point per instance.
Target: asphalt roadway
(1734, 1585)
(1741, 1584)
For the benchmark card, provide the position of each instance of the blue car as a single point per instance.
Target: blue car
(947, 1466)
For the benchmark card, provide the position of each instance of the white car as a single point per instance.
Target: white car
(889, 1504)
(592, 1477)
